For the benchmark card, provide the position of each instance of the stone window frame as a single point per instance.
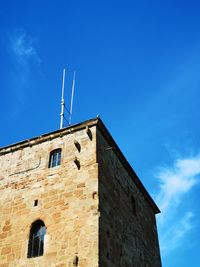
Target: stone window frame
(36, 239)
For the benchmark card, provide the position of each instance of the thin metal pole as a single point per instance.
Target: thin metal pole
(62, 101)
(72, 97)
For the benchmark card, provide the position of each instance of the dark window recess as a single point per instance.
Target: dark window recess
(55, 158)
(133, 205)
(94, 195)
(77, 162)
(75, 261)
(77, 145)
(36, 239)
(89, 133)
(35, 203)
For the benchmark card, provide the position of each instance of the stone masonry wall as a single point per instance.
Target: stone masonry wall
(67, 202)
(128, 233)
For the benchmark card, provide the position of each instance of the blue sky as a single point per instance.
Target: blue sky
(137, 64)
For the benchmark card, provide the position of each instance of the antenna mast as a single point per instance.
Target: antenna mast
(62, 101)
(72, 97)
(63, 107)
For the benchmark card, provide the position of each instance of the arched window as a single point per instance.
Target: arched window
(36, 239)
(55, 158)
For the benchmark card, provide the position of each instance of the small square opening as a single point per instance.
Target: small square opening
(35, 202)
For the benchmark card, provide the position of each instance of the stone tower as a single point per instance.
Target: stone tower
(70, 198)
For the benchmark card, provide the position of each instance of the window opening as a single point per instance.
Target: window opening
(108, 255)
(133, 205)
(75, 261)
(77, 145)
(36, 239)
(55, 158)
(35, 202)
(77, 162)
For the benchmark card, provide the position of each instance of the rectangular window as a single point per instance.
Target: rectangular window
(133, 205)
(55, 158)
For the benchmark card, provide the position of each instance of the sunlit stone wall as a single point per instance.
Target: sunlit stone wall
(67, 200)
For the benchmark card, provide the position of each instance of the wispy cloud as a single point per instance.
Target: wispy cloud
(25, 65)
(176, 181)
(22, 47)
(172, 235)
(175, 220)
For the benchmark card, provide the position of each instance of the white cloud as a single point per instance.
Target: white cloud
(25, 65)
(175, 220)
(22, 47)
(176, 181)
(173, 234)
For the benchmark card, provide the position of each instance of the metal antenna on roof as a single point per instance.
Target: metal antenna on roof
(63, 107)
(72, 98)
(62, 101)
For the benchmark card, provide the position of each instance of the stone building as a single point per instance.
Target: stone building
(70, 198)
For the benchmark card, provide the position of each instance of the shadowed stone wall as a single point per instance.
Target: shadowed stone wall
(128, 232)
